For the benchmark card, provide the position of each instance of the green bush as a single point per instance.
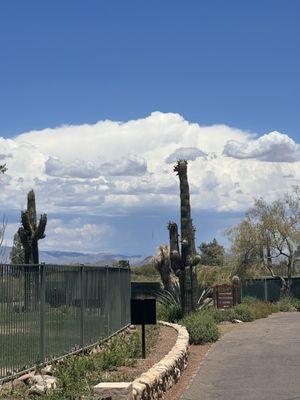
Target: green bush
(201, 327)
(168, 312)
(249, 300)
(288, 304)
(262, 309)
(243, 312)
(220, 315)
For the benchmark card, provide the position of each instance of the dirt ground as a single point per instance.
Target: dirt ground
(197, 354)
(166, 340)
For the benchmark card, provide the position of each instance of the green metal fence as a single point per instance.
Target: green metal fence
(268, 288)
(47, 311)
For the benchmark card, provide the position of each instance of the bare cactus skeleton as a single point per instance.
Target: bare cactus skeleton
(162, 264)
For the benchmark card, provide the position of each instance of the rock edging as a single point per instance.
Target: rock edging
(162, 376)
(152, 385)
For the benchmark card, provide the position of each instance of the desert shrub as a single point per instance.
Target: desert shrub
(220, 315)
(201, 327)
(288, 304)
(169, 304)
(296, 303)
(274, 307)
(250, 300)
(243, 312)
(262, 309)
(168, 312)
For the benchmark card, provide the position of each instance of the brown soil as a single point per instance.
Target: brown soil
(197, 354)
(166, 340)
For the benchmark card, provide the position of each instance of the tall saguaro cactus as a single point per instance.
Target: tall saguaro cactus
(31, 232)
(184, 261)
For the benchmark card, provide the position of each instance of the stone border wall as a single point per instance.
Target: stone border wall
(152, 385)
(163, 375)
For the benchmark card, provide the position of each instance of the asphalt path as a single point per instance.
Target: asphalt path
(258, 360)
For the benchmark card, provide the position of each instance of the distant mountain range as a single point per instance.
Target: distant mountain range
(73, 257)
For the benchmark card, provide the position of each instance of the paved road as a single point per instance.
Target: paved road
(255, 361)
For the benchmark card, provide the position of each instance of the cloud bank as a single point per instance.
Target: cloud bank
(121, 168)
(273, 147)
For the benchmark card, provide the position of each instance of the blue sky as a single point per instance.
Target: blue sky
(232, 62)
(212, 62)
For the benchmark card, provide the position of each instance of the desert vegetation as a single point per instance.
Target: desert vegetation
(75, 375)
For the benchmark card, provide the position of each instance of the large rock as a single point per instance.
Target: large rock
(37, 389)
(113, 391)
(47, 370)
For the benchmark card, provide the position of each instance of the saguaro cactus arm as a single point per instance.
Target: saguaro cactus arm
(175, 259)
(31, 208)
(28, 228)
(40, 229)
(25, 243)
(23, 237)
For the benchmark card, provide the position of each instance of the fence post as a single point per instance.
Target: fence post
(106, 300)
(120, 302)
(82, 306)
(266, 289)
(42, 312)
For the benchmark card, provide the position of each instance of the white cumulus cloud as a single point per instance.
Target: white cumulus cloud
(75, 169)
(185, 153)
(130, 165)
(273, 147)
(118, 168)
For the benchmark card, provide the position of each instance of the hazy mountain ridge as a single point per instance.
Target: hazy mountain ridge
(73, 257)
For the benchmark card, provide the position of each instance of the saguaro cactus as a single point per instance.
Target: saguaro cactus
(31, 232)
(187, 257)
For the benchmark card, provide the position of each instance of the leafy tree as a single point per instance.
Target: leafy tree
(268, 236)
(123, 264)
(17, 252)
(212, 253)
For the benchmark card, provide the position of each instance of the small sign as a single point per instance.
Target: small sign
(225, 296)
(143, 311)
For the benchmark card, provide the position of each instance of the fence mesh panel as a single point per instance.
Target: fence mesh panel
(62, 310)
(48, 311)
(254, 288)
(268, 289)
